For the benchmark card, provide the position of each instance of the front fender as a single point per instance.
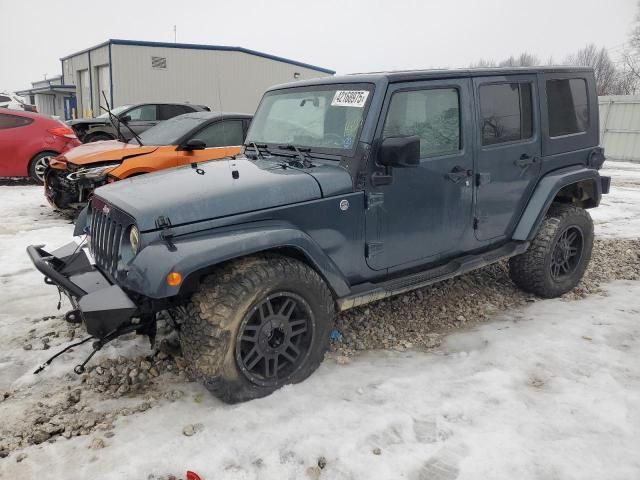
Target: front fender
(192, 253)
(545, 192)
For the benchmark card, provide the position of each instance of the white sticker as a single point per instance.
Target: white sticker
(350, 98)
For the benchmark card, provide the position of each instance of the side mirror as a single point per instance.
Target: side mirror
(125, 118)
(193, 144)
(400, 152)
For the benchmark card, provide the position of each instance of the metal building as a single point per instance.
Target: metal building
(223, 78)
(51, 96)
(620, 127)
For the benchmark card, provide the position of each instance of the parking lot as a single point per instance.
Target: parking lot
(466, 379)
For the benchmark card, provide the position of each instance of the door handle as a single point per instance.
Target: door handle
(525, 161)
(458, 174)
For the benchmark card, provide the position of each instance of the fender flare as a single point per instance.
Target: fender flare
(197, 252)
(544, 193)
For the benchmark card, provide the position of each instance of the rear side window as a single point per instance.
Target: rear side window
(568, 106)
(12, 121)
(165, 112)
(222, 134)
(506, 112)
(4, 98)
(433, 115)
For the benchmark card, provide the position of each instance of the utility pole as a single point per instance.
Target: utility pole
(174, 34)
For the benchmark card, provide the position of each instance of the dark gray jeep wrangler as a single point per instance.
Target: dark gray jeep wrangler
(350, 189)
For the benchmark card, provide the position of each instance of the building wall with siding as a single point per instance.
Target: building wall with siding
(222, 80)
(620, 127)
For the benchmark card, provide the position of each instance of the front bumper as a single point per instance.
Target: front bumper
(104, 307)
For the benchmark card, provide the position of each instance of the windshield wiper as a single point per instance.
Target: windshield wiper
(304, 160)
(112, 117)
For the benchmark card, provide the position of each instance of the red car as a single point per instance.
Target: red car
(29, 140)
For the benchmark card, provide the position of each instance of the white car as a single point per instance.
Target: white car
(14, 102)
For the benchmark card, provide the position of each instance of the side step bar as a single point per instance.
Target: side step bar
(458, 266)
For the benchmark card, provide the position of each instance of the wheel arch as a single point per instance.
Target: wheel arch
(577, 186)
(201, 255)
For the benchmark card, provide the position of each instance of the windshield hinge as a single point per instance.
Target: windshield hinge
(166, 234)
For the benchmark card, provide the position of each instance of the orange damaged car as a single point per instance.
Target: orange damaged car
(189, 138)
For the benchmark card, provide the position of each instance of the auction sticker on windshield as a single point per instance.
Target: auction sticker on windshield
(350, 98)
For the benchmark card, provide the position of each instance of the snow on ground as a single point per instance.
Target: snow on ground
(549, 391)
(619, 212)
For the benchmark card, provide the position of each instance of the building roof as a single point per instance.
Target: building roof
(48, 88)
(194, 46)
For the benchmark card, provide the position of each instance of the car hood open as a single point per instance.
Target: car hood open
(105, 151)
(186, 194)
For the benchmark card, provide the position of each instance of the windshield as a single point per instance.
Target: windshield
(320, 117)
(169, 131)
(115, 111)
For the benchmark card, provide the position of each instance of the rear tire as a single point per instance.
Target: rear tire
(39, 164)
(255, 325)
(559, 254)
(98, 137)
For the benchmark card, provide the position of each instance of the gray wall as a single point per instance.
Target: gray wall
(222, 80)
(620, 127)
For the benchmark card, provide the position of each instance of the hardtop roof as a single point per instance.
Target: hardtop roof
(415, 75)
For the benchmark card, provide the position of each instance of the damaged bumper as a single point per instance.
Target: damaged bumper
(104, 307)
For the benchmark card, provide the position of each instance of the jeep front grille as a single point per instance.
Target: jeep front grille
(105, 234)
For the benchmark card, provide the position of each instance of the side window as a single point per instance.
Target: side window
(222, 134)
(4, 98)
(165, 112)
(13, 121)
(568, 106)
(144, 113)
(506, 112)
(433, 115)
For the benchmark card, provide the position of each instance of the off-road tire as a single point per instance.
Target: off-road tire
(211, 321)
(531, 271)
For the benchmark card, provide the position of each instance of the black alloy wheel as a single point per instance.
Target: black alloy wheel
(275, 339)
(567, 253)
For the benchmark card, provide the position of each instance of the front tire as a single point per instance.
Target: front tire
(559, 254)
(255, 325)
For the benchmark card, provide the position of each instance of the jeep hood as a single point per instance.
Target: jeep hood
(105, 151)
(184, 196)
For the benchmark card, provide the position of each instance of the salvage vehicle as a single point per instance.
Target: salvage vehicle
(13, 101)
(139, 118)
(28, 142)
(191, 137)
(351, 189)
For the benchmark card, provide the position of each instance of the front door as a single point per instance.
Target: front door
(423, 213)
(142, 118)
(508, 158)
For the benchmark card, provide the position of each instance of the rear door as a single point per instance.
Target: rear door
(508, 151)
(143, 117)
(167, 111)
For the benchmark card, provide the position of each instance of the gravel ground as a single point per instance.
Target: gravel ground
(419, 318)
(79, 405)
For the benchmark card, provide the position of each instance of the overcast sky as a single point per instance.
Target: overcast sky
(344, 35)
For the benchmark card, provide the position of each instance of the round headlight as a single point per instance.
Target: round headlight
(134, 239)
